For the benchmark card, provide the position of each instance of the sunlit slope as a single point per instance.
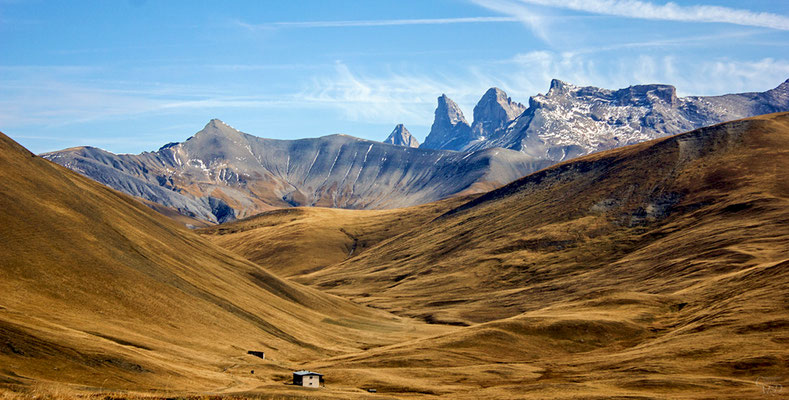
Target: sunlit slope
(661, 216)
(654, 271)
(616, 345)
(97, 289)
(296, 241)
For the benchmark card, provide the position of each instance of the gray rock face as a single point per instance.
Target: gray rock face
(450, 130)
(571, 120)
(492, 113)
(220, 173)
(400, 136)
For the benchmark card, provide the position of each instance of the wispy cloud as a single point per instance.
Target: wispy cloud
(669, 11)
(379, 22)
(685, 41)
(62, 99)
(528, 16)
(691, 77)
(389, 98)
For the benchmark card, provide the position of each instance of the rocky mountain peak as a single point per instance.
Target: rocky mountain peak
(559, 88)
(449, 110)
(641, 94)
(570, 120)
(493, 94)
(450, 130)
(780, 95)
(216, 141)
(215, 134)
(493, 111)
(216, 126)
(400, 136)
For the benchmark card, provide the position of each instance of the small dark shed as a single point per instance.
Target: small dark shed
(307, 379)
(257, 354)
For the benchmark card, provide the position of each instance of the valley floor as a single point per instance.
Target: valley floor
(587, 280)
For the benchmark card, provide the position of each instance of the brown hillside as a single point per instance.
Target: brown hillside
(296, 241)
(98, 290)
(658, 270)
(657, 215)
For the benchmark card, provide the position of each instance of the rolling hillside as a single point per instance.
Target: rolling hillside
(98, 290)
(652, 271)
(657, 270)
(318, 236)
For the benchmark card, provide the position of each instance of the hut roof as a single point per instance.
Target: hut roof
(303, 373)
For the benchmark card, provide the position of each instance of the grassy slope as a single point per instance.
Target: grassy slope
(657, 270)
(96, 289)
(296, 241)
(653, 271)
(175, 215)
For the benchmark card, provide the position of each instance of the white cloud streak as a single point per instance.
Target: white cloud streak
(392, 98)
(691, 77)
(369, 23)
(668, 12)
(526, 15)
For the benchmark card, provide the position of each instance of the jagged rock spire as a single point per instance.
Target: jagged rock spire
(400, 136)
(450, 130)
(493, 112)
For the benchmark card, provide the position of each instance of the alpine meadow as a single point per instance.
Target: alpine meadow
(454, 199)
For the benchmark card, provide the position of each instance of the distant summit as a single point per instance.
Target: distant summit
(450, 130)
(400, 136)
(570, 120)
(492, 112)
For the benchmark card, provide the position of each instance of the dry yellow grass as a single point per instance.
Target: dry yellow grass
(656, 271)
(100, 291)
(296, 241)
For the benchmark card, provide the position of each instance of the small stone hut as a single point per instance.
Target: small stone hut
(307, 379)
(258, 354)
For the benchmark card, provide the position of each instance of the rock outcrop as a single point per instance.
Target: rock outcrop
(450, 130)
(493, 111)
(400, 136)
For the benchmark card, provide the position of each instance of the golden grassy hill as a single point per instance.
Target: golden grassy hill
(656, 271)
(296, 241)
(99, 291)
(659, 270)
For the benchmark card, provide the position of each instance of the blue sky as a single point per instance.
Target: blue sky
(130, 76)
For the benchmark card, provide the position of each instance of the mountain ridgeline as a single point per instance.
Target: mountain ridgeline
(570, 120)
(220, 173)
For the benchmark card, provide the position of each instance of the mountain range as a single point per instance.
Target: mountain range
(221, 174)
(570, 120)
